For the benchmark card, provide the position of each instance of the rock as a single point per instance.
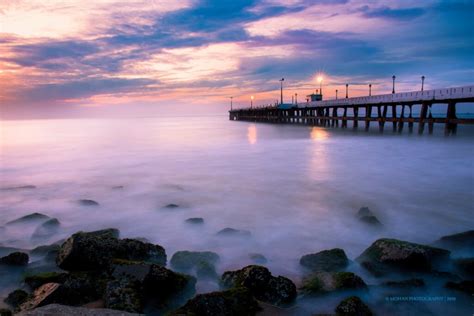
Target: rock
(195, 220)
(15, 259)
(322, 282)
(365, 215)
(8, 250)
(21, 187)
(372, 220)
(82, 287)
(352, 306)
(36, 280)
(48, 251)
(171, 206)
(123, 295)
(47, 229)
(326, 260)
(233, 302)
(463, 286)
(233, 232)
(141, 283)
(16, 298)
(160, 284)
(5, 312)
(95, 250)
(46, 294)
(463, 241)
(263, 286)
(57, 309)
(258, 258)
(187, 260)
(86, 202)
(206, 270)
(364, 211)
(465, 266)
(386, 255)
(30, 218)
(409, 283)
(117, 187)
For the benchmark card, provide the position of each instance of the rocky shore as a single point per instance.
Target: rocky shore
(99, 273)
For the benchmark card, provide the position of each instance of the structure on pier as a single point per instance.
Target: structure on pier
(370, 109)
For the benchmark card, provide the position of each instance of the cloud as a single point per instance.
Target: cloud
(403, 14)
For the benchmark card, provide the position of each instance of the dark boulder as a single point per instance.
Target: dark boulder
(123, 295)
(462, 241)
(353, 306)
(187, 260)
(386, 255)
(36, 280)
(195, 220)
(409, 283)
(15, 259)
(171, 206)
(206, 270)
(47, 229)
(365, 215)
(5, 312)
(233, 302)
(260, 282)
(323, 282)
(48, 252)
(16, 298)
(135, 284)
(465, 266)
(326, 260)
(463, 286)
(232, 232)
(86, 202)
(30, 218)
(95, 250)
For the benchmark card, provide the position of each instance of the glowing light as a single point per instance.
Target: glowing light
(320, 79)
(252, 97)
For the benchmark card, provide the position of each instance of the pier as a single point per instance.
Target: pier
(399, 109)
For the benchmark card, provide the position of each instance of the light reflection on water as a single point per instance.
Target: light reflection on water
(296, 189)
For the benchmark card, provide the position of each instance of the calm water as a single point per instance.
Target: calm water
(295, 188)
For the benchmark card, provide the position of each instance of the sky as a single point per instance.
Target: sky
(136, 55)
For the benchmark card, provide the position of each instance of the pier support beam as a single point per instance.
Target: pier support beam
(356, 117)
(368, 115)
(423, 112)
(402, 117)
(451, 128)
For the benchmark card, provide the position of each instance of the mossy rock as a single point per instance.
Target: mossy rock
(388, 255)
(5, 312)
(15, 259)
(233, 302)
(463, 286)
(187, 260)
(262, 284)
(323, 282)
(326, 260)
(195, 220)
(16, 298)
(353, 306)
(206, 270)
(36, 280)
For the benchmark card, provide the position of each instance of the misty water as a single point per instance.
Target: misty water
(295, 188)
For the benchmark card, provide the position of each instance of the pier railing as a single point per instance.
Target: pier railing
(369, 109)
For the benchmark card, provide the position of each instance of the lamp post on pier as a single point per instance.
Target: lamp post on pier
(422, 82)
(393, 84)
(347, 90)
(320, 80)
(296, 98)
(336, 94)
(231, 103)
(281, 90)
(370, 89)
(251, 101)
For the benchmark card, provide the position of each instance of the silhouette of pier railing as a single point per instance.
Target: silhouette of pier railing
(370, 109)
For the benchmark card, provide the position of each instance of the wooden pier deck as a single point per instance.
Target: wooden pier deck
(369, 109)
